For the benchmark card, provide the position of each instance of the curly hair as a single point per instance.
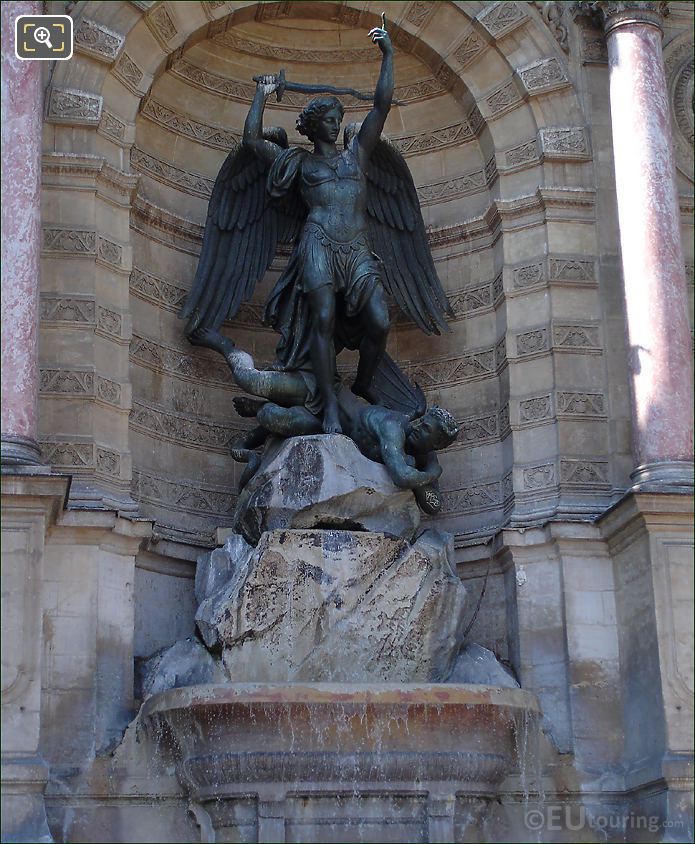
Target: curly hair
(314, 111)
(448, 430)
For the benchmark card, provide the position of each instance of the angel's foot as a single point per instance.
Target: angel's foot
(248, 406)
(212, 340)
(364, 391)
(331, 421)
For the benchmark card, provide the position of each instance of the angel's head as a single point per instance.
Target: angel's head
(435, 429)
(321, 119)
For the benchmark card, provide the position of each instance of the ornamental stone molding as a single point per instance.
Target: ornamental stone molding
(97, 40)
(615, 13)
(680, 72)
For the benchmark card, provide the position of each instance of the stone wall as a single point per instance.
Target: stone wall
(506, 128)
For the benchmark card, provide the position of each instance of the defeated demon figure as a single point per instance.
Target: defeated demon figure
(404, 443)
(354, 220)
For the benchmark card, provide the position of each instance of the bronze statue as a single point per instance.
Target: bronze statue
(404, 440)
(355, 222)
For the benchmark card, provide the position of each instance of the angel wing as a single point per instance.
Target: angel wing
(395, 391)
(397, 234)
(242, 231)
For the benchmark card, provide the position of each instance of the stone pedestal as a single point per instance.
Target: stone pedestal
(661, 361)
(30, 505)
(22, 99)
(650, 538)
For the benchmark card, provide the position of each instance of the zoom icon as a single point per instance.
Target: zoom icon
(43, 37)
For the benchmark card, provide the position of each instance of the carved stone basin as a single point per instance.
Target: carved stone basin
(232, 744)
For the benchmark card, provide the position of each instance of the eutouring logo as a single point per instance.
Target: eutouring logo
(43, 37)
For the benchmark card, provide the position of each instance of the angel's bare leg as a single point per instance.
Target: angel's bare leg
(376, 324)
(322, 349)
(288, 421)
(286, 388)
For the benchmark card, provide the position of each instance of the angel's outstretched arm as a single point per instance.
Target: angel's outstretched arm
(373, 123)
(253, 128)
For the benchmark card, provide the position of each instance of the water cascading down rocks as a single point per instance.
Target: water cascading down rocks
(329, 658)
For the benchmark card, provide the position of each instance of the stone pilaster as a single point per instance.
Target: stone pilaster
(30, 505)
(660, 356)
(22, 99)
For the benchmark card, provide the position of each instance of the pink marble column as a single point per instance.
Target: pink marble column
(661, 362)
(22, 106)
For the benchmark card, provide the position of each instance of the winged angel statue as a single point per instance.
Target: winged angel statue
(354, 221)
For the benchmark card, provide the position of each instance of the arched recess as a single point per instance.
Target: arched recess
(494, 134)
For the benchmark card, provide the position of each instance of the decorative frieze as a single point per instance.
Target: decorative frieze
(113, 127)
(584, 473)
(156, 223)
(593, 48)
(161, 25)
(538, 477)
(164, 294)
(523, 154)
(242, 91)
(419, 12)
(473, 499)
(173, 361)
(529, 275)
(107, 391)
(66, 105)
(501, 18)
(109, 252)
(73, 309)
(128, 72)
(502, 99)
(470, 47)
(571, 269)
(447, 189)
(162, 171)
(191, 431)
(544, 75)
(109, 323)
(97, 40)
(229, 38)
(450, 371)
(66, 382)
(210, 503)
(535, 410)
(477, 430)
(210, 7)
(532, 342)
(445, 136)
(68, 242)
(576, 337)
(68, 455)
(76, 383)
(581, 404)
(108, 462)
(202, 133)
(569, 142)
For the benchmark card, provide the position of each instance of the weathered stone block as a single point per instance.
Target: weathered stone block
(476, 664)
(185, 663)
(339, 606)
(323, 481)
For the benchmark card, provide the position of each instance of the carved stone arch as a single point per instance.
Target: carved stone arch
(473, 51)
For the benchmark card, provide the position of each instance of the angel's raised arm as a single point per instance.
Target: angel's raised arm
(373, 123)
(253, 127)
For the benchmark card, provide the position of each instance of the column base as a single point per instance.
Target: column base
(23, 810)
(667, 476)
(18, 452)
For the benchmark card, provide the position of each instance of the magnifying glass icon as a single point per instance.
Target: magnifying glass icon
(43, 36)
